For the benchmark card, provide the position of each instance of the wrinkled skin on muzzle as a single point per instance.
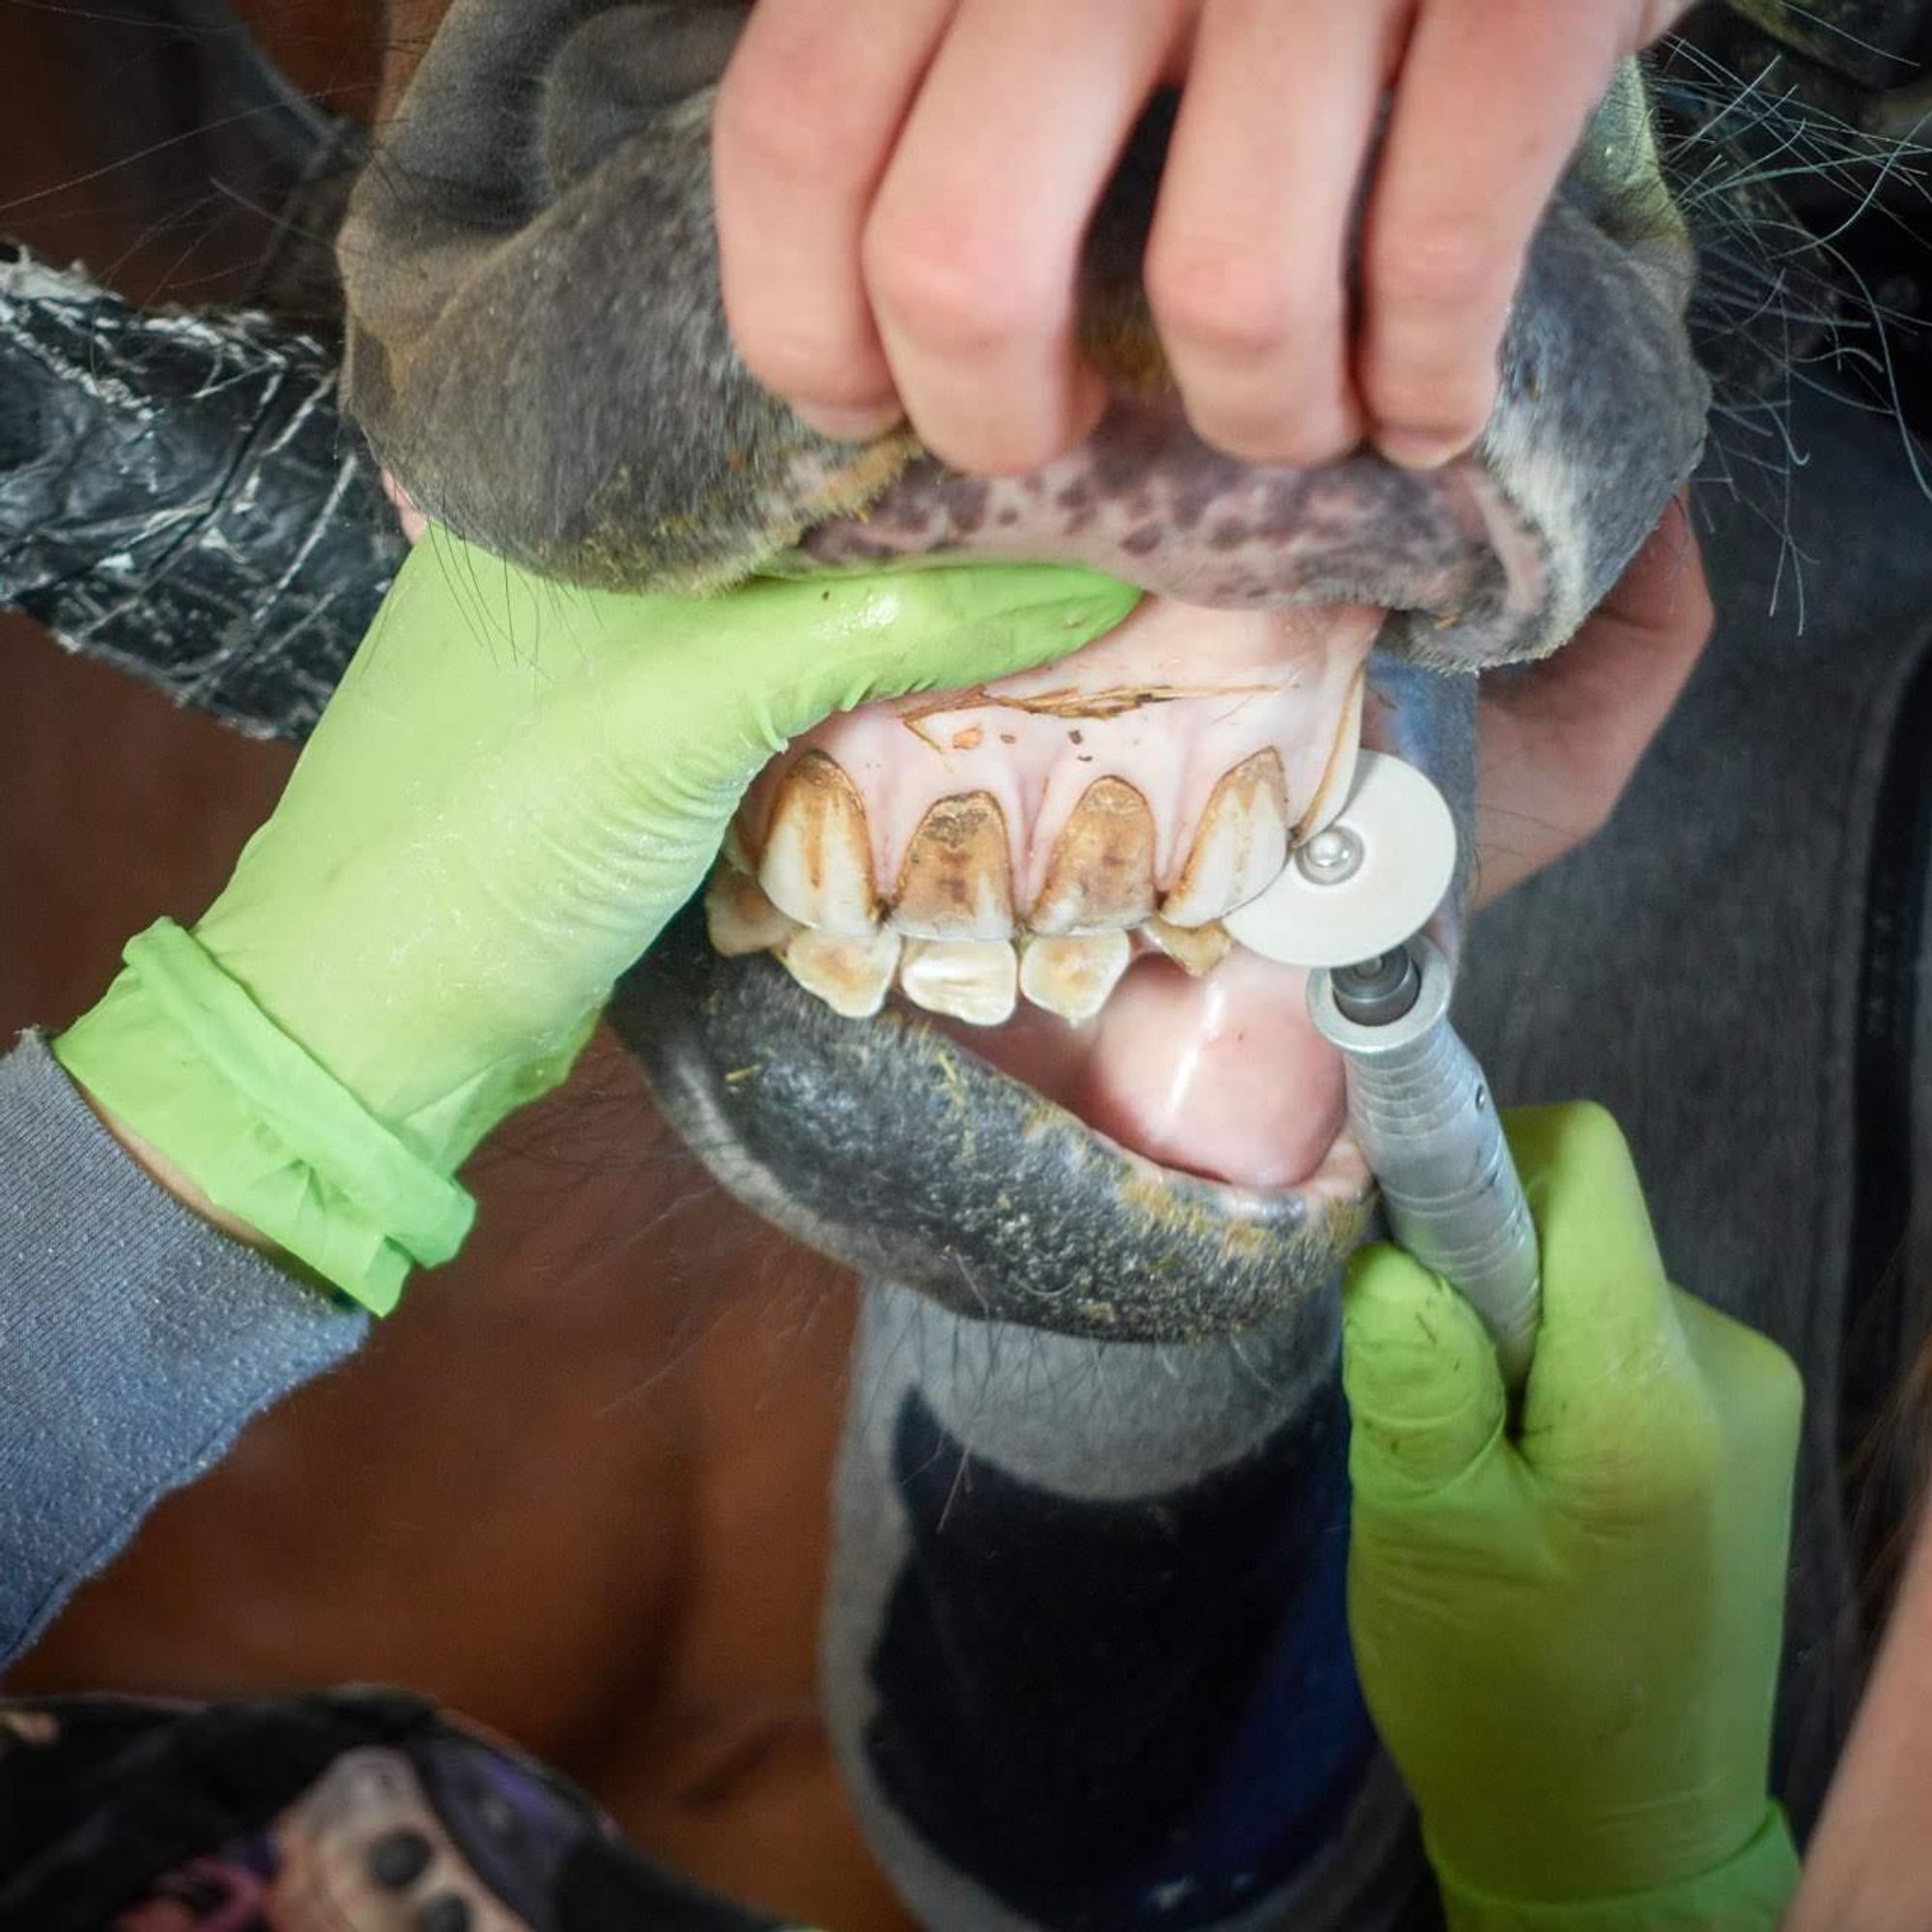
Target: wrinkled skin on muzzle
(549, 244)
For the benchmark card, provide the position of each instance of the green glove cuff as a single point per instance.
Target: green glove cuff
(1747, 1893)
(179, 1053)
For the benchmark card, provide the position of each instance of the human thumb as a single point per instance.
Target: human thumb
(1420, 1373)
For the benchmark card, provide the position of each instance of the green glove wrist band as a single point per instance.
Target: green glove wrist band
(181, 1054)
(1747, 1893)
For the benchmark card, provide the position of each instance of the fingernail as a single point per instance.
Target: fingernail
(1417, 452)
(412, 518)
(852, 425)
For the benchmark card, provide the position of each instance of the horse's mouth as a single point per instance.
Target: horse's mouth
(1044, 865)
(1014, 1056)
(982, 1030)
(1042, 870)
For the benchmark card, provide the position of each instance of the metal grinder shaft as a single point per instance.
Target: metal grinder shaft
(1420, 1108)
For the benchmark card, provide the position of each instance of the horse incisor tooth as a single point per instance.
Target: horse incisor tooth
(1338, 778)
(851, 976)
(1239, 846)
(817, 862)
(970, 980)
(956, 881)
(1072, 977)
(1101, 872)
(740, 918)
(1196, 948)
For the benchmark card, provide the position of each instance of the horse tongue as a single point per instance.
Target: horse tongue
(1223, 1076)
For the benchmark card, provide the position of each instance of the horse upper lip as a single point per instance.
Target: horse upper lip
(1457, 563)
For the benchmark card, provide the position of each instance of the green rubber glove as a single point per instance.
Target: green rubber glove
(1569, 1634)
(514, 788)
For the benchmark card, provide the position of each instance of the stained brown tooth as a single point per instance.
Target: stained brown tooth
(1338, 778)
(956, 882)
(1073, 976)
(1101, 872)
(740, 918)
(817, 862)
(975, 980)
(1197, 949)
(851, 976)
(1239, 846)
(736, 855)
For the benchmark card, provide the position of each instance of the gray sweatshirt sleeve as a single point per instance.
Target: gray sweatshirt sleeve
(134, 1343)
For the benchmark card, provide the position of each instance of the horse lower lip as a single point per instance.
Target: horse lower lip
(890, 1149)
(1220, 1076)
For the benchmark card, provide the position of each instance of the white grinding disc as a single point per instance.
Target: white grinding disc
(1407, 860)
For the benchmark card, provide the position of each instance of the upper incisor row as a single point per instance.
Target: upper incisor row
(955, 879)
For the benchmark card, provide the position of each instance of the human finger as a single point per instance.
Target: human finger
(1419, 1370)
(1615, 1414)
(1246, 267)
(1492, 99)
(808, 112)
(972, 250)
(1559, 742)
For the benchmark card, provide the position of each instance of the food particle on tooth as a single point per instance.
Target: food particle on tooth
(974, 980)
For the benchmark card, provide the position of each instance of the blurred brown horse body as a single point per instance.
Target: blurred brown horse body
(592, 1518)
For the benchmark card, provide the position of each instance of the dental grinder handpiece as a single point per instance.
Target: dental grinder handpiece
(1421, 1111)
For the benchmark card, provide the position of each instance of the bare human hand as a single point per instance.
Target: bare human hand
(903, 186)
(1557, 742)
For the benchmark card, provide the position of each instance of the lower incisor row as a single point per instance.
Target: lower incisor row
(980, 981)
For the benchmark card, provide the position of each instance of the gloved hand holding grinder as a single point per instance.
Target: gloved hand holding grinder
(1568, 1623)
(513, 789)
